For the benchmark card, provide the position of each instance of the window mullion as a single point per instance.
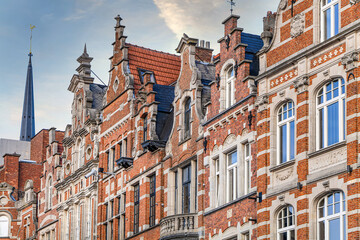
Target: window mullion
(332, 12)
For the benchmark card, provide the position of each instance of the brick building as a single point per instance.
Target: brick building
(257, 142)
(307, 144)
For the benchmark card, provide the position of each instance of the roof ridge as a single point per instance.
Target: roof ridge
(153, 50)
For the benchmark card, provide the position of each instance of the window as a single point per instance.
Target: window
(136, 207)
(4, 226)
(286, 224)
(108, 160)
(331, 113)
(231, 176)
(217, 181)
(187, 117)
(186, 188)
(121, 216)
(176, 192)
(286, 132)
(152, 200)
(122, 148)
(89, 220)
(145, 129)
(49, 193)
(245, 236)
(332, 217)
(247, 168)
(78, 224)
(230, 86)
(27, 227)
(330, 18)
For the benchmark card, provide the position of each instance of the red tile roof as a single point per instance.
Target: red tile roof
(166, 67)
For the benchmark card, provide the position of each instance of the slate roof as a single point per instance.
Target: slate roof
(165, 96)
(254, 43)
(165, 66)
(207, 72)
(98, 94)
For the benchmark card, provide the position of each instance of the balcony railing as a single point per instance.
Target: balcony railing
(179, 225)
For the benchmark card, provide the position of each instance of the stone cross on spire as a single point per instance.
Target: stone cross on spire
(232, 4)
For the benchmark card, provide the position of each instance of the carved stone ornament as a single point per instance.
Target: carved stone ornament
(301, 83)
(283, 4)
(227, 41)
(349, 60)
(297, 25)
(353, 2)
(284, 175)
(261, 102)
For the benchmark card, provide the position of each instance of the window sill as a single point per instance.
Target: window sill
(184, 140)
(327, 149)
(282, 165)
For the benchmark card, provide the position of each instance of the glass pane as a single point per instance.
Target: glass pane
(330, 210)
(280, 223)
(321, 212)
(321, 230)
(186, 198)
(337, 197)
(337, 207)
(333, 123)
(231, 185)
(335, 84)
(330, 199)
(344, 121)
(336, 92)
(320, 99)
(290, 105)
(285, 115)
(292, 234)
(283, 142)
(283, 236)
(232, 158)
(328, 23)
(292, 140)
(334, 229)
(336, 13)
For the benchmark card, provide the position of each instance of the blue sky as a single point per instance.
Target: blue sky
(64, 26)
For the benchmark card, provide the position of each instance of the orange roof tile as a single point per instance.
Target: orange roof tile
(166, 66)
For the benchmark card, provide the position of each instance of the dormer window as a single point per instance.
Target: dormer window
(230, 86)
(329, 18)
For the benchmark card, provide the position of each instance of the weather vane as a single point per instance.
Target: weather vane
(232, 4)
(31, 29)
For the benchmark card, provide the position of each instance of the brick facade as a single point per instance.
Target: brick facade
(252, 143)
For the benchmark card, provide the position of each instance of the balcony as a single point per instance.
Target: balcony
(181, 226)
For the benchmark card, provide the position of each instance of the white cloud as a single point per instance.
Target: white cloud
(202, 18)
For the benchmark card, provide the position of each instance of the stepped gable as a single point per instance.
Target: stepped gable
(165, 66)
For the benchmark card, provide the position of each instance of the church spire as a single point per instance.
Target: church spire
(28, 115)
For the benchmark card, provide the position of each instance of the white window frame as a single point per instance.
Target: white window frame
(286, 122)
(289, 228)
(247, 167)
(229, 87)
(326, 103)
(327, 218)
(49, 193)
(324, 8)
(234, 168)
(217, 181)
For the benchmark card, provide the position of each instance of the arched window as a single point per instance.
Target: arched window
(49, 193)
(331, 113)
(187, 116)
(230, 86)
(286, 132)
(329, 18)
(331, 217)
(4, 226)
(286, 224)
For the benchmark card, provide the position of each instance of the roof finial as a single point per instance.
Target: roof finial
(85, 51)
(232, 4)
(31, 29)
(118, 20)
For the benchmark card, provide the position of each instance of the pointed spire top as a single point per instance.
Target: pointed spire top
(85, 51)
(118, 20)
(85, 54)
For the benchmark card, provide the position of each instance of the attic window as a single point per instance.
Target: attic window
(141, 75)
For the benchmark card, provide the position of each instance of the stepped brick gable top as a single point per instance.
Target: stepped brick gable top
(165, 66)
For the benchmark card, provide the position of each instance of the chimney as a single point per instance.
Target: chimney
(204, 52)
(11, 167)
(52, 132)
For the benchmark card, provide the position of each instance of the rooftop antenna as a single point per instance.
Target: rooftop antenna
(232, 4)
(31, 29)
